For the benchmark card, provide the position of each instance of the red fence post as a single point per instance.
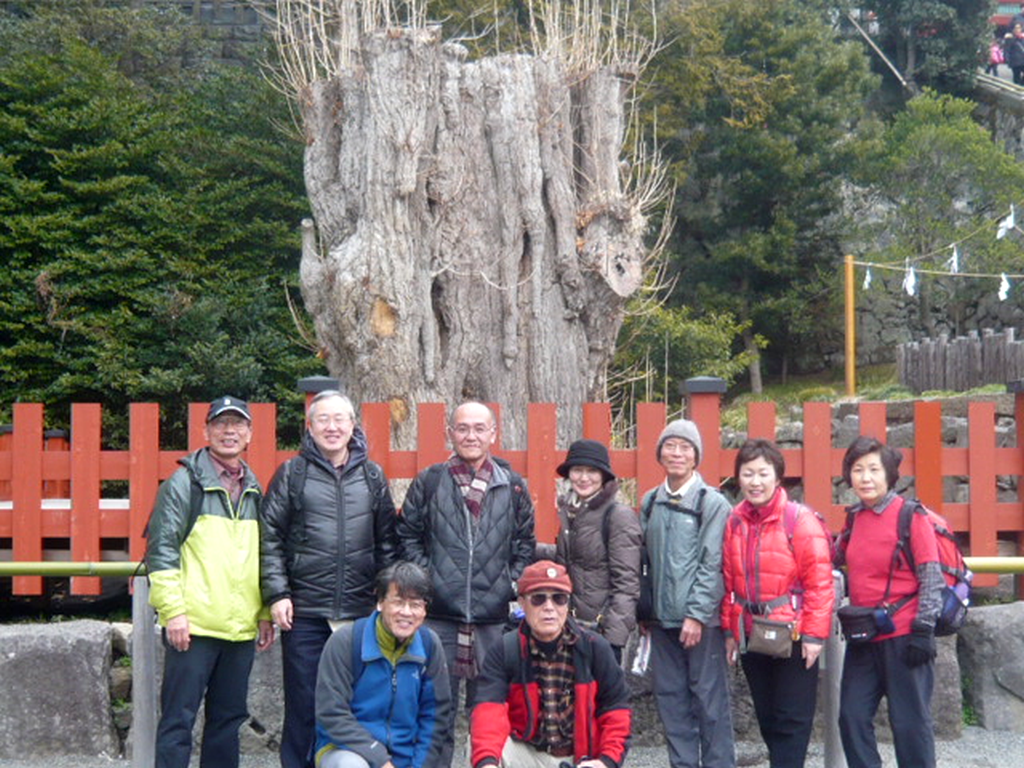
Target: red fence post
(26, 492)
(377, 427)
(261, 455)
(86, 420)
(143, 471)
(927, 467)
(431, 437)
(197, 425)
(817, 463)
(650, 421)
(761, 419)
(56, 480)
(1017, 388)
(705, 409)
(6, 437)
(873, 421)
(541, 460)
(981, 463)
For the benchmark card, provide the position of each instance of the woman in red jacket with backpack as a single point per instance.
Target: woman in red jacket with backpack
(777, 611)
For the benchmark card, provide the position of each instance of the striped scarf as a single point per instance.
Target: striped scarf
(472, 484)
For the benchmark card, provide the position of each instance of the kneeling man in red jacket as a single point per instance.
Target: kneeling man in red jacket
(551, 692)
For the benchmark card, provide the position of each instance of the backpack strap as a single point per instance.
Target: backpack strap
(511, 653)
(196, 497)
(431, 480)
(515, 480)
(903, 523)
(647, 505)
(358, 628)
(374, 477)
(843, 537)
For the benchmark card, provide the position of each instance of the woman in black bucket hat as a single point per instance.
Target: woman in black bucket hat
(599, 543)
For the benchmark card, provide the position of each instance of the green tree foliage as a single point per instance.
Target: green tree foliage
(760, 212)
(939, 179)
(934, 42)
(659, 349)
(149, 210)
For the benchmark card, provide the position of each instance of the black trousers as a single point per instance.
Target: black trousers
(301, 647)
(784, 692)
(218, 669)
(873, 670)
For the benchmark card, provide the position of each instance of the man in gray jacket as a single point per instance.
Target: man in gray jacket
(328, 527)
(683, 522)
(469, 522)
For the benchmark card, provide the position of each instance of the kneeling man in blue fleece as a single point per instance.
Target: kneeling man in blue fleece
(382, 690)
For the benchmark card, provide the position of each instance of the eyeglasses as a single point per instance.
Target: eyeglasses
(465, 430)
(228, 422)
(325, 420)
(678, 446)
(401, 604)
(537, 599)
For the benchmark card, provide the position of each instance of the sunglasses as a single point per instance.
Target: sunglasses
(537, 599)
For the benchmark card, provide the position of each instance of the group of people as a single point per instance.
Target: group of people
(1008, 48)
(382, 614)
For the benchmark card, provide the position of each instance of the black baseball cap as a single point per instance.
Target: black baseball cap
(228, 404)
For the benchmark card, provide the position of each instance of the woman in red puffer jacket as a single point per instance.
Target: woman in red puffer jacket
(779, 596)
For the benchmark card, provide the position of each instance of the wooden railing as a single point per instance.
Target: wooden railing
(52, 491)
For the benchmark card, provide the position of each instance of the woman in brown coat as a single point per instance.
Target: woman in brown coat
(599, 543)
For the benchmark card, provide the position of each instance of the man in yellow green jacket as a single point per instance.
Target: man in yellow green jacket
(203, 562)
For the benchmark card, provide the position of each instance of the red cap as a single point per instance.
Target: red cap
(544, 573)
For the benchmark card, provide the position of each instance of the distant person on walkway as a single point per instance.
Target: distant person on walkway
(599, 542)
(899, 662)
(382, 692)
(551, 692)
(996, 55)
(203, 562)
(777, 563)
(469, 522)
(683, 522)
(328, 527)
(1014, 52)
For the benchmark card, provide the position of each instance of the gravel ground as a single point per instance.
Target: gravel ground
(977, 748)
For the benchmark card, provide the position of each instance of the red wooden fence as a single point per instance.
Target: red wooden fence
(33, 471)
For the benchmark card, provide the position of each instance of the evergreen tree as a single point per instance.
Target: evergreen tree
(150, 207)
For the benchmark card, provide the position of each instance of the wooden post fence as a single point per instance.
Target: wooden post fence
(32, 469)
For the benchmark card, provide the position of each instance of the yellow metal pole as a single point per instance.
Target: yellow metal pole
(851, 331)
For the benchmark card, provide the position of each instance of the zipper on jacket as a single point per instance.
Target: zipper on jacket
(339, 533)
(391, 704)
(469, 570)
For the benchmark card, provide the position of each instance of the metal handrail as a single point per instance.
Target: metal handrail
(1000, 565)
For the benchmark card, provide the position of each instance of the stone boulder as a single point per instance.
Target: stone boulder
(991, 646)
(56, 684)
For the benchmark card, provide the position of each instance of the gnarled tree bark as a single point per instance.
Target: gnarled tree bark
(473, 238)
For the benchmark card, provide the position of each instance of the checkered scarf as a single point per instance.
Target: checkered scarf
(472, 484)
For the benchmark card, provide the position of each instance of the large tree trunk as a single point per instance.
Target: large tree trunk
(474, 239)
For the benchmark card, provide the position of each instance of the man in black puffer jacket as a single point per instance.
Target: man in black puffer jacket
(469, 522)
(328, 527)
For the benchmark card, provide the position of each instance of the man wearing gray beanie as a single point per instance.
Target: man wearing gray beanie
(683, 521)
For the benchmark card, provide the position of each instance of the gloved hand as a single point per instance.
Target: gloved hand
(921, 648)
